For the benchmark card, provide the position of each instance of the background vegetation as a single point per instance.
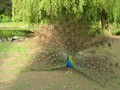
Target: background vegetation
(103, 15)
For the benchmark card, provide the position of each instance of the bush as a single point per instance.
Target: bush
(4, 18)
(117, 33)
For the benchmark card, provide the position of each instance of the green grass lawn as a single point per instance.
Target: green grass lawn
(10, 32)
(13, 28)
(10, 29)
(12, 47)
(14, 24)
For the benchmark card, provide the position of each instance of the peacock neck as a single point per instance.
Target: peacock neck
(70, 57)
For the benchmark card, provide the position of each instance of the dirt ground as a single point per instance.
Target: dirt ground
(13, 75)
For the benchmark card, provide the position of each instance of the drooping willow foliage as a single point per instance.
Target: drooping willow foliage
(34, 11)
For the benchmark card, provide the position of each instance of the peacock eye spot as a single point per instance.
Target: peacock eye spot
(116, 65)
(111, 71)
(88, 65)
(109, 44)
(111, 64)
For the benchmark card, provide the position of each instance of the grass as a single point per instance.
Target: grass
(10, 29)
(20, 86)
(14, 24)
(12, 47)
(13, 55)
(10, 32)
(13, 28)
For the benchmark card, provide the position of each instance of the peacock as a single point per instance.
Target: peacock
(93, 55)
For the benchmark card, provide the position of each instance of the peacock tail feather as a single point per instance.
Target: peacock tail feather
(91, 54)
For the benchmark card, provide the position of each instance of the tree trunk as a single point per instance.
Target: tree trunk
(105, 23)
(13, 11)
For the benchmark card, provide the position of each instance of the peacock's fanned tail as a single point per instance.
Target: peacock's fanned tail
(56, 42)
(97, 67)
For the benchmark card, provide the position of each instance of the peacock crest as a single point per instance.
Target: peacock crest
(87, 49)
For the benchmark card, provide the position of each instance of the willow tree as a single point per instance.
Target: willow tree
(26, 10)
(34, 11)
(105, 11)
(20, 10)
